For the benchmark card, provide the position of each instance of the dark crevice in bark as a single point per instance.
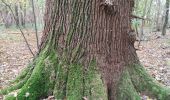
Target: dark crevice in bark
(109, 92)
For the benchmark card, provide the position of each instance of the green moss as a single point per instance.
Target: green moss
(10, 97)
(143, 82)
(41, 80)
(36, 83)
(22, 75)
(97, 89)
(60, 82)
(15, 86)
(50, 74)
(75, 82)
(39, 83)
(94, 86)
(126, 90)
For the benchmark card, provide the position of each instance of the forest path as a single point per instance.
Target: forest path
(154, 54)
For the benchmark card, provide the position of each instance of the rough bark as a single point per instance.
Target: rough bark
(87, 51)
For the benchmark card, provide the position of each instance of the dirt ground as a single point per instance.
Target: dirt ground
(154, 54)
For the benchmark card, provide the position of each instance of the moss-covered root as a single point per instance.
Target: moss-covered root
(24, 73)
(14, 86)
(40, 83)
(76, 83)
(126, 90)
(19, 81)
(143, 82)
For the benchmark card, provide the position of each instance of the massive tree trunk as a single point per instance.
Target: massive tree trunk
(87, 51)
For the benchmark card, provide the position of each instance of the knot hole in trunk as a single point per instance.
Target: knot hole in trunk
(109, 6)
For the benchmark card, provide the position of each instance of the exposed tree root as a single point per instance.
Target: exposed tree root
(136, 80)
(74, 82)
(19, 81)
(143, 82)
(24, 73)
(36, 83)
(126, 89)
(14, 87)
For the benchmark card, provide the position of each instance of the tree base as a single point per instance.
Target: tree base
(50, 76)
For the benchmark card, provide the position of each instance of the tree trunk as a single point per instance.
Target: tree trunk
(158, 27)
(166, 18)
(87, 51)
(6, 18)
(22, 14)
(17, 15)
(143, 21)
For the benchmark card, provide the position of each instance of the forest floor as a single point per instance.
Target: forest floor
(154, 54)
(14, 54)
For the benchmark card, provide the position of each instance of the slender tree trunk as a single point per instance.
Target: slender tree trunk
(149, 9)
(6, 18)
(158, 27)
(143, 21)
(22, 15)
(166, 18)
(35, 23)
(87, 51)
(17, 15)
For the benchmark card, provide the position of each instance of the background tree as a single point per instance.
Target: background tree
(23, 13)
(158, 27)
(166, 17)
(87, 51)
